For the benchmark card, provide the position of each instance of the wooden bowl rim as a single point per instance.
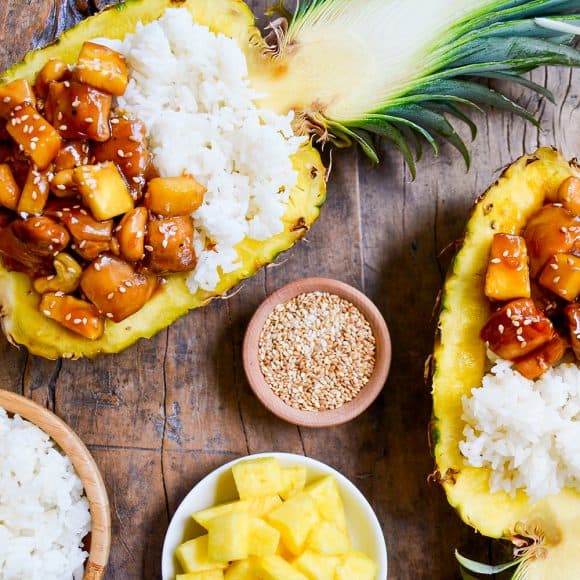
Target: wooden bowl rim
(86, 468)
(349, 410)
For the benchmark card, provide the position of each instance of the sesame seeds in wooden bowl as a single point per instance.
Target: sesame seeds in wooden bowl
(317, 352)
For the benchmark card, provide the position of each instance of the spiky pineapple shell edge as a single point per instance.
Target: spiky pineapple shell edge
(21, 321)
(458, 365)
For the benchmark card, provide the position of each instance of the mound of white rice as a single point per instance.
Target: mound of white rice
(43, 513)
(189, 86)
(527, 432)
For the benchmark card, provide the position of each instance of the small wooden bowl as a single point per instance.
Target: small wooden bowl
(349, 410)
(86, 468)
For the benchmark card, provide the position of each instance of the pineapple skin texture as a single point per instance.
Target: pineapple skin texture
(21, 321)
(459, 363)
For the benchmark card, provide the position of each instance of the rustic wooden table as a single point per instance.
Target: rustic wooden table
(161, 415)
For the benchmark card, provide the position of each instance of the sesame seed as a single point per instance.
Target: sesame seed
(564, 229)
(68, 316)
(109, 315)
(77, 321)
(61, 186)
(110, 295)
(89, 119)
(495, 261)
(501, 328)
(556, 279)
(122, 289)
(63, 127)
(47, 312)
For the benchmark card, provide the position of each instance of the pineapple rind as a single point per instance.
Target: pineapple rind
(459, 364)
(21, 321)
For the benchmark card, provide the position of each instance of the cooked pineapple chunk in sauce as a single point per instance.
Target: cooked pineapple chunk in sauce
(102, 68)
(552, 230)
(115, 288)
(103, 189)
(37, 138)
(569, 194)
(572, 313)
(536, 363)
(561, 275)
(35, 192)
(174, 196)
(13, 94)
(516, 329)
(9, 190)
(79, 111)
(77, 315)
(72, 154)
(53, 71)
(131, 234)
(507, 275)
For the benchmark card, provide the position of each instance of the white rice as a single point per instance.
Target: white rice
(189, 86)
(526, 432)
(43, 513)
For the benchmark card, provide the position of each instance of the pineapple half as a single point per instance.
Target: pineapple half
(20, 318)
(545, 533)
(351, 70)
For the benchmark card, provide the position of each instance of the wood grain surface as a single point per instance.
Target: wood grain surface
(161, 415)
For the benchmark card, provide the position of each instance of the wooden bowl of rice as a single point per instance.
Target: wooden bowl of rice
(346, 344)
(99, 540)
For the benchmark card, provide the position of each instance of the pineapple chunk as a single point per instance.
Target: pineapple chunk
(229, 536)
(203, 517)
(508, 274)
(242, 570)
(77, 315)
(293, 481)
(103, 190)
(569, 194)
(536, 363)
(34, 193)
(572, 312)
(13, 94)
(561, 275)
(316, 566)
(53, 71)
(329, 540)
(276, 568)
(34, 134)
(204, 575)
(9, 190)
(295, 519)
(102, 68)
(356, 565)
(193, 556)
(326, 496)
(264, 539)
(174, 196)
(257, 477)
(262, 506)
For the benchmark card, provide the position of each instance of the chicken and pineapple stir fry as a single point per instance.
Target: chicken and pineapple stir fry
(534, 278)
(82, 211)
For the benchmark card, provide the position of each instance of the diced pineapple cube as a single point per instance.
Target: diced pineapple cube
(293, 481)
(262, 506)
(203, 517)
(103, 190)
(102, 68)
(316, 566)
(205, 575)
(34, 193)
(326, 496)
(193, 556)
(257, 477)
(537, 362)
(508, 273)
(229, 536)
(79, 316)
(53, 71)
(242, 570)
(356, 565)
(276, 568)
(13, 94)
(561, 275)
(295, 520)
(174, 196)
(328, 539)
(264, 538)
(34, 134)
(9, 190)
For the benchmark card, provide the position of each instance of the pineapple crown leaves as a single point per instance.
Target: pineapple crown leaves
(501, 41)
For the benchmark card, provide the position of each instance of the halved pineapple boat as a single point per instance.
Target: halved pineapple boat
(545, 531)
(412, 63)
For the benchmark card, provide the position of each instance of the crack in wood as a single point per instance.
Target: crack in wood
(164, 430)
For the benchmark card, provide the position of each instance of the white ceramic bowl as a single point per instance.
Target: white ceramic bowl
(219, 487)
